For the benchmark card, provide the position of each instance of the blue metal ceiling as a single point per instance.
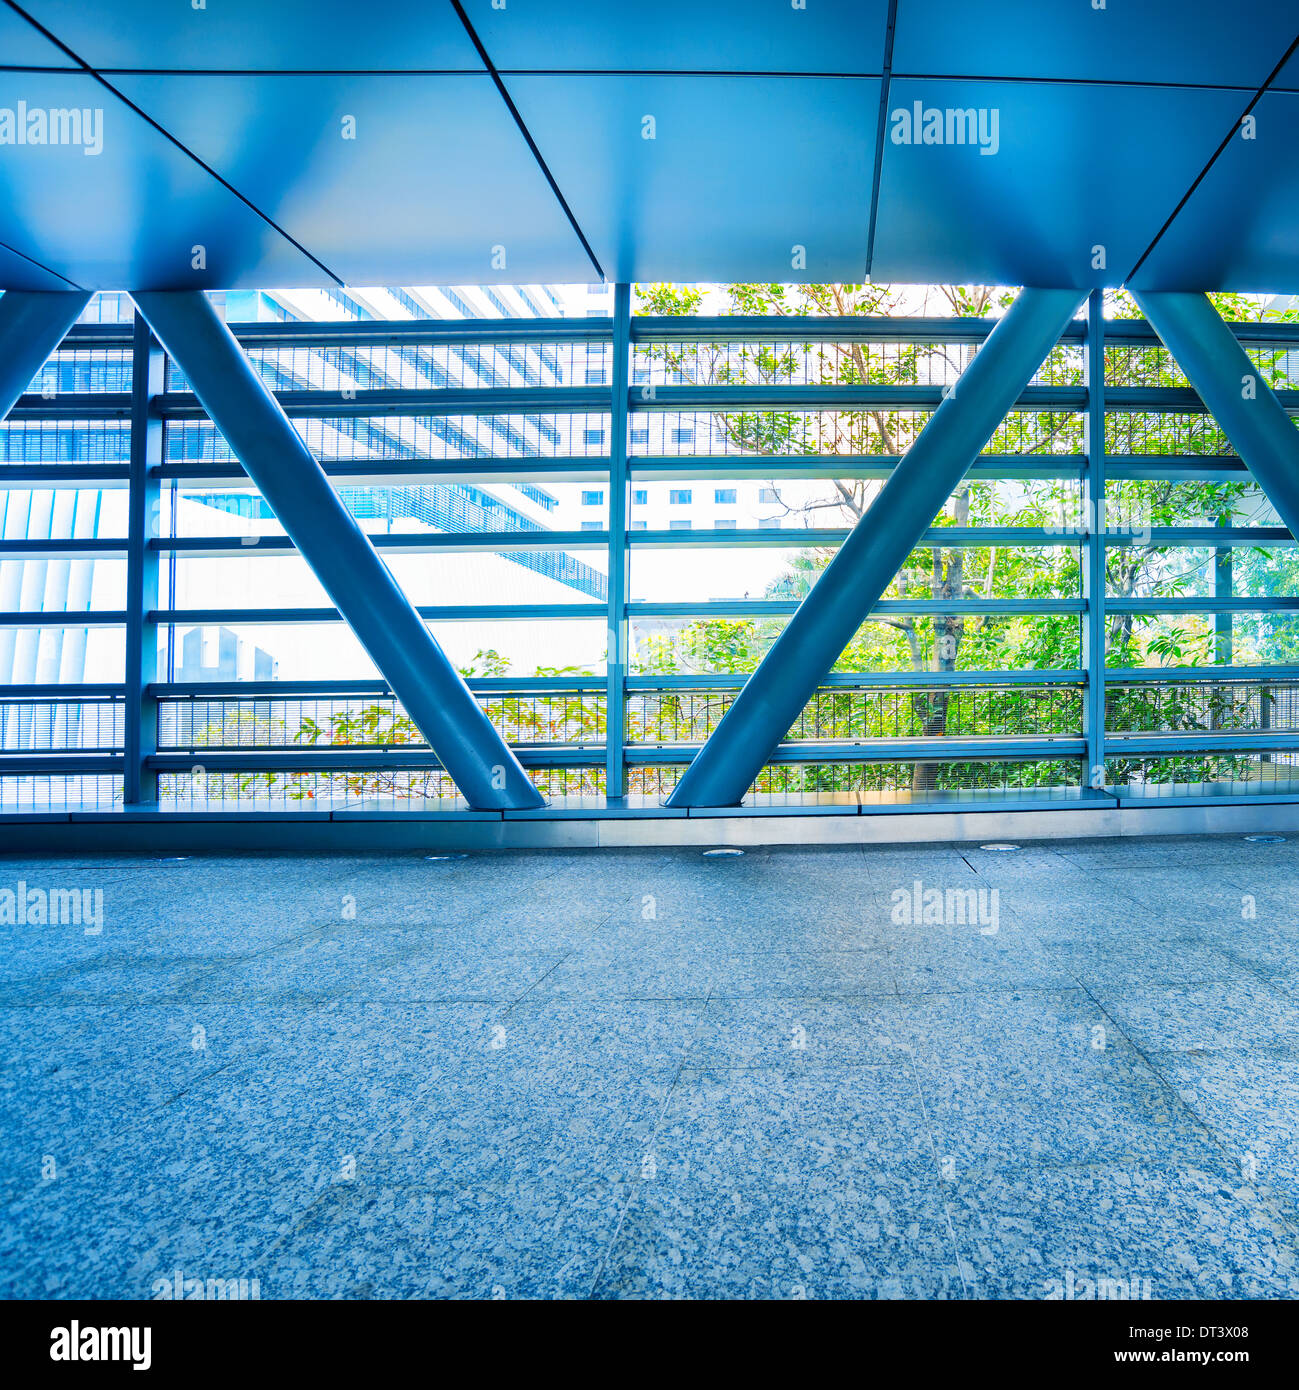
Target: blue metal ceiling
(561, 140)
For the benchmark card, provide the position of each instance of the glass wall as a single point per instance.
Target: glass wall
(1087, 616)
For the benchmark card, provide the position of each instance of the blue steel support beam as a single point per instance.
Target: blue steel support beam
(32, 325)
(340, 554)
(875, 550)
(1233, 390)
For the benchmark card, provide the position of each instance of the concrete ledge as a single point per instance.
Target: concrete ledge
(593, 827)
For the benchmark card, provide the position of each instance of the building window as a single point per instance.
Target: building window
(680, 497)
(593, 499)
(640, 497)
(679, 525)
(591, 525)
(768, 494)
(724, 496)
(595, 437)
(597, 376)
(640, 436)
(686, 436)
(725, 523)
(770, 523)
(638, 525)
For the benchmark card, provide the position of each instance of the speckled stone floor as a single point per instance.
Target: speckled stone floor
(653, 1074)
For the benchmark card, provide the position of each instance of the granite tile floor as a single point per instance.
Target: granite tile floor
(649, 1074)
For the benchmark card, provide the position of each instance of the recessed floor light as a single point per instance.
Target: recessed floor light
(721, 853)
(174, 859)
(438, 858)
(999, 848)
(1265, 839)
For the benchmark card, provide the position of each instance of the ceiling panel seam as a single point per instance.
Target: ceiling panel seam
(1213, 159)
(185, 150)
(527, 135)
(40, 265)
(886, 79)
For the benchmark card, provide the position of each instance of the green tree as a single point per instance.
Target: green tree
(952, 641)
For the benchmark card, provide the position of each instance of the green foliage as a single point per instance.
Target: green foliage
(1139, 571)
(957, 642)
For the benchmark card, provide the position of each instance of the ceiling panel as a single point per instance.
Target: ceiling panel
(129, 216)
(769, 36)
(1153, 41)
(741, 171)
(22, 45)
(1240, 228)
(18, 273)
(1288, 77)
(1076, 166)
(437, 187)
(257, 36)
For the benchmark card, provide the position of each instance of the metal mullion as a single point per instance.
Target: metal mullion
(389, 401)
(102, 475)
(816, 328)
(1204, 537)
(1094, 549)
(872, 679)
(687, 399)
(1223, 589)
(140, 781)
(949, 537)
(211, 617)
(1261, 604)
(815, 466)
(617, 647)
(770, 608)
(1178, 675)
(98, 617)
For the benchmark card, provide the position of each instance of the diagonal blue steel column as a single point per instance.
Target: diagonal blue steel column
(339, 552)
(32, 325)
(875, 550)
(1235, 393)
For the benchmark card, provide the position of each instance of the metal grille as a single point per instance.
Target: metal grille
(1134, 432)
(1198, 774)
(757, 362)
(877, 779)
(61, 724)
(829, 433)
(65, 441)
(203, 789)
(1202, 706)
(52, 792)
(567, 719)
(433, 438)
(844, 714)
(452, 366)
